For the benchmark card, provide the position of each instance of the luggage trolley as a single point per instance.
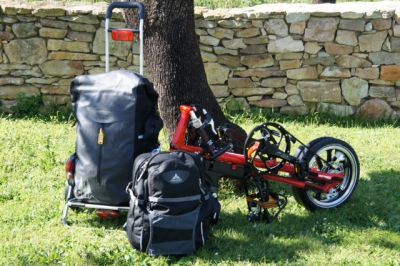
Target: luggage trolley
(117, 35)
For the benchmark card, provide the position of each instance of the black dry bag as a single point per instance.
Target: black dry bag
(116, 121)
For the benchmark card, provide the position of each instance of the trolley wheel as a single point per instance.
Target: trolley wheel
(341, 157)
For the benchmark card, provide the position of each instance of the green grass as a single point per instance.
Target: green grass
(364, 231)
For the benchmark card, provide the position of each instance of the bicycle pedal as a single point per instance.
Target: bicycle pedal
(271, 203)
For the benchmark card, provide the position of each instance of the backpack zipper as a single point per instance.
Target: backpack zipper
(100, 142)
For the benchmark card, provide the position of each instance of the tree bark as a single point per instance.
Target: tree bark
(174, 62)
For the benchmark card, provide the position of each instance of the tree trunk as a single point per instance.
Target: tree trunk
(174, 62)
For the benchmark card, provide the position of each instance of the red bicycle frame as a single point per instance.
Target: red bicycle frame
(327, 180)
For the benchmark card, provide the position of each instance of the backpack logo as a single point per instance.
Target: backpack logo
(175, 176)
(176, 179)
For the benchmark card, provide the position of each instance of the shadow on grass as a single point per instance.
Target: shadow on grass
(374, 206)
(59, 114)
(378, 199)
(88, 218)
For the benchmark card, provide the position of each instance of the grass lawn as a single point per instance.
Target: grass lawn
(365, 231)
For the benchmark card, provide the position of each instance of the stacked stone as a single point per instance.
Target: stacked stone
(43, 49)
(296, 62)
(295, 59)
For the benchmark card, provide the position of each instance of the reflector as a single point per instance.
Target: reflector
(70, 166)
(185, 108)
(108, 214)
(123, 35)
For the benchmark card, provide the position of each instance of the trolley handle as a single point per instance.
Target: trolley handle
(142, 14)
(125, 5)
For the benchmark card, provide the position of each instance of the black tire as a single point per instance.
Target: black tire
(312, 200)
(300, 154)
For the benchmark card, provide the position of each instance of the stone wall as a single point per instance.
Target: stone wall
(43, 47)
(297, 58)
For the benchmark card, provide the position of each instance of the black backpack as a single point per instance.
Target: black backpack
(116, 121)
(171, 205)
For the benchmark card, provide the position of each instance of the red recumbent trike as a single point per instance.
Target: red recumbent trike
(323, 174)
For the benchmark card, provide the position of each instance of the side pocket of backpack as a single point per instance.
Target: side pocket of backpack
(137, 228)
(216, 210)
(209, 215)
(130, 226)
